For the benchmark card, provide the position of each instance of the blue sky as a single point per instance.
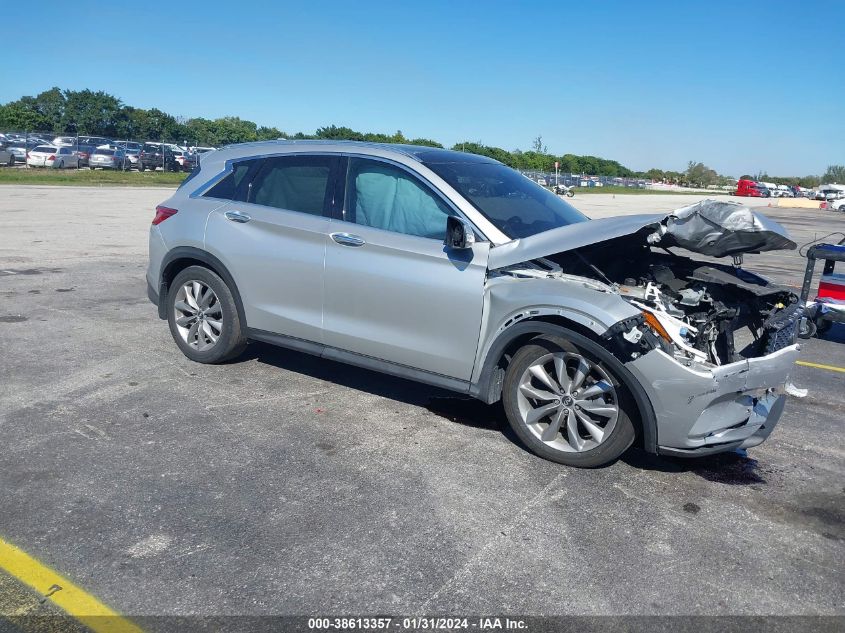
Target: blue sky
(741, 87)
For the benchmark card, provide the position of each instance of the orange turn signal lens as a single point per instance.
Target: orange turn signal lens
(655, 325)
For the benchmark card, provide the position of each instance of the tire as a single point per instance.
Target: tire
(570, 194)
(220, 317)
(140, 166)
(806, 328)
(610, 406)
(11, 160)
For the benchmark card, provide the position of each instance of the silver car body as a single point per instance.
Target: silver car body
(107, 158)
(7, 157)
(63, 157)
(407, 306)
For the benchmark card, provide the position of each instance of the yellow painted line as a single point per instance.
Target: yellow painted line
(818, 366)
(75, 601)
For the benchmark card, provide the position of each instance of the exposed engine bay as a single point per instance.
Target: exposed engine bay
(711, 312)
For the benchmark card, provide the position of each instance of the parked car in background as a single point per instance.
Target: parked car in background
(186, 160)
(83, 153)
(6, 156)
(132, 146)
(132, 157)
(157, 156)
(52, 156)
(785, 192)
(18, 148)
(94, 141)
(105, 158)
(63, 141)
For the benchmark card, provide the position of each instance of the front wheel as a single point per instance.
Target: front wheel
(203, 317)
(566, 403)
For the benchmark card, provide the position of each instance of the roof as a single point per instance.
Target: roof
(422, 153)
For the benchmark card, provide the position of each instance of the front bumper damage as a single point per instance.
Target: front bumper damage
(701, 410)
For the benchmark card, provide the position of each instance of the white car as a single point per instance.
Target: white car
(837, 205)
(52, 156)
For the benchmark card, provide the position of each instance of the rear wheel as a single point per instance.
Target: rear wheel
(566, 402)
(203, 317)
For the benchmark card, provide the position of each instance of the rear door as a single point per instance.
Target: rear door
(271, 237)
(392, 289)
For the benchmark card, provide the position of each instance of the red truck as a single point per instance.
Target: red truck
(749, 189)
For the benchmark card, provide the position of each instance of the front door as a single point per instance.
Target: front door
(392, 290)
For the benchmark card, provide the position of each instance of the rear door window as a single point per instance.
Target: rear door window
(293, 183)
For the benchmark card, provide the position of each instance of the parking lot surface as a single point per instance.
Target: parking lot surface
(285, 484)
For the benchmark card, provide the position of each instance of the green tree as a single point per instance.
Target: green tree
(699, 175)
(834, 174)
(90, 113)
(15, 117)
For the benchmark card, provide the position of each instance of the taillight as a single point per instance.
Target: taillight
(162, 213)
(51, 158)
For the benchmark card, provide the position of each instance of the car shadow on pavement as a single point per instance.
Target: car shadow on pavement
(446, 404)
(733, 468)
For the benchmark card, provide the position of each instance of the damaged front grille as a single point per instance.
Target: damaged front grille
(781, 328)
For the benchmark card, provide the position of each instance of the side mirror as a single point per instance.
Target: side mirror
(459, 233)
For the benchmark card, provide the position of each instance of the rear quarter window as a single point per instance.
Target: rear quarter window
(228, 188)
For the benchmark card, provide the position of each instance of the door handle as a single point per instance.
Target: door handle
(347, 239)
(237, 216)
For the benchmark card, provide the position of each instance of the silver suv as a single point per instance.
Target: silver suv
(454, 270)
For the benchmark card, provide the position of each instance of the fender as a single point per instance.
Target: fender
(483, 387)
(190, 252)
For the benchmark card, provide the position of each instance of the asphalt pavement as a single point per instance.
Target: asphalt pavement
(285, 484)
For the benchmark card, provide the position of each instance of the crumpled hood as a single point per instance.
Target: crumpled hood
(710, 227)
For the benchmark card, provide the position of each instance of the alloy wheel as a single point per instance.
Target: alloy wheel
(198, 315)
(568, 402)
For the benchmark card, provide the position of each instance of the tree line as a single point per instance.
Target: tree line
(98, 113)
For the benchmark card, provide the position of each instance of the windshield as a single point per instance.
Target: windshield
(514, 204)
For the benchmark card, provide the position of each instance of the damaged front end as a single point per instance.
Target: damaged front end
(720, 340)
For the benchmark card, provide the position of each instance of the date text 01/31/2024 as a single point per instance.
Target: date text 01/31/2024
(416, 623)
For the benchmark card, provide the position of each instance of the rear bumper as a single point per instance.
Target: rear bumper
(700, 410)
